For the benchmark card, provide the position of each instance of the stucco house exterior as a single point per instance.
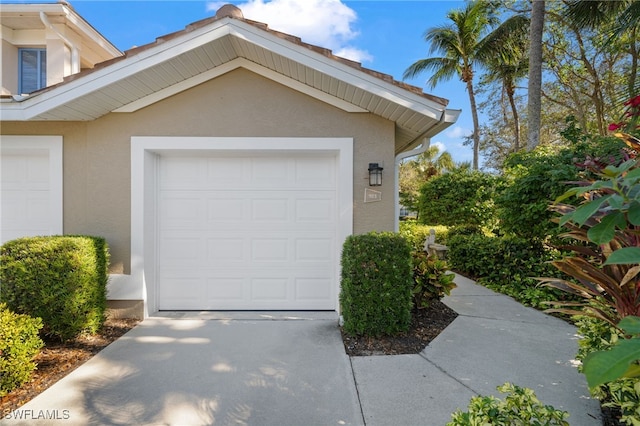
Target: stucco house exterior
(225, 164)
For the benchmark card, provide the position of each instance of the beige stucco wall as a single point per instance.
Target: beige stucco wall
(97, 174)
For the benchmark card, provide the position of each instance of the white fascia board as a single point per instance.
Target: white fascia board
(336, 69)
(113, 73)
(11, 112)
(449, 118)
(230, 66)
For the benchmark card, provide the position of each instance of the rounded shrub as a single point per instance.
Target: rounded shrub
(376, 282)
(19, 344)
(61, 279)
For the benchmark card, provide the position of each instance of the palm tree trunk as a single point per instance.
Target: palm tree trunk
(476, 126)
(516, 119)
(535, 73)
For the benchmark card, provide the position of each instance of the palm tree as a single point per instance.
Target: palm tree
(458, 43)
(504, 54)
(535, 73)
(432, 162)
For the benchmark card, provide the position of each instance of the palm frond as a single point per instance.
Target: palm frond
(590, 14)
(442, 68)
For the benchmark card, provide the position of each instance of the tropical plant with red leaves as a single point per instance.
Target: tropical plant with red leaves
(605, 226)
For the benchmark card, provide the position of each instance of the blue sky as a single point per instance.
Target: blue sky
(384, 35)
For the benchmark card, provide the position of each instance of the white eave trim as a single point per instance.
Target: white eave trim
(230, 66)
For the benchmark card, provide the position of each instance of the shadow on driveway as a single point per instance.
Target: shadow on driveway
(205, 371)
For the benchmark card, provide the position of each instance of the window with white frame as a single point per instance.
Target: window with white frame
(32, 66)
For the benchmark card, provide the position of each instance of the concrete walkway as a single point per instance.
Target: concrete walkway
(494, 340)
(291, 369)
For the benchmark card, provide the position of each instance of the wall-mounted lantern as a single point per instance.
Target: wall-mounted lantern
(375, 174)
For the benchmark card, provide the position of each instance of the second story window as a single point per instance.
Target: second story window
(32, 70)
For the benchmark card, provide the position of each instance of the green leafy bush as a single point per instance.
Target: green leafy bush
(508, 265)
(19, 344)
(459, 197)
(61, 279)
(376, 282)
(465, 230)
(520, 407)
(431, 279)
(622, 394)
(534, 180)
(416, 234)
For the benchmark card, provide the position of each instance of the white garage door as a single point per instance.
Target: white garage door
(30, 186)
(238, 231)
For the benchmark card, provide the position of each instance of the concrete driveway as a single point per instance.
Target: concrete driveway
(291, 369)
(260, 368)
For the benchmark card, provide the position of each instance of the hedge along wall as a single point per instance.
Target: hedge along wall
(61, 279)
(376, 284)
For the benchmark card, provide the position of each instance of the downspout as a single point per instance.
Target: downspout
(426, 143)
(75, 52)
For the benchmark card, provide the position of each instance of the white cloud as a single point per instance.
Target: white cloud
(354, 54)
(458, 132)
(326, 23)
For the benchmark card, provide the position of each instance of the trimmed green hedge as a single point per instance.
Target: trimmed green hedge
(417, 234)
(19, 344)
(507, 265)
(61, 279)
(376, 284)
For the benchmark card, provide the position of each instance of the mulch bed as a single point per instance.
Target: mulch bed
(57, 359)
(426, 325)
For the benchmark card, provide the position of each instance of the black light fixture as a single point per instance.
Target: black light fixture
(375, 174)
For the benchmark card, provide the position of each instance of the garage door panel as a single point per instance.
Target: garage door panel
(182, 291)
(26, 195)
(181, 209)
(270, 210)
(222, 172)
(269, 289)
(313, 289)
(227, 250)
(180, 249)
(270, 250)
(315, 173)
(222, 290)
(270, 172)
(314, 249)
(263, 239)
(318, 210)
(227, 209)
